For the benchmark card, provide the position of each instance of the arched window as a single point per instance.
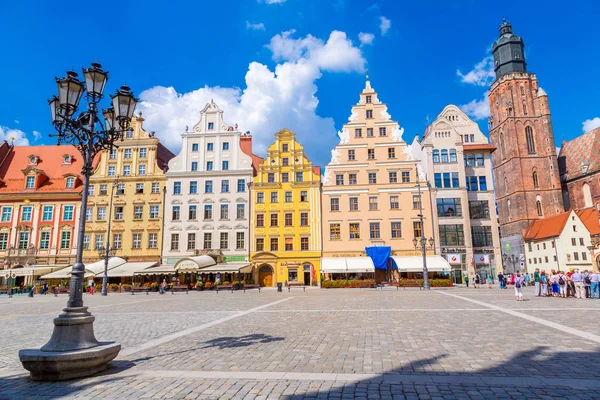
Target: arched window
(471, 160)
(444, 156)
(502, 148)
(436, 156)
(536, 183)
(452, 155)
(538, 204)
(530, 142)
(587, 195)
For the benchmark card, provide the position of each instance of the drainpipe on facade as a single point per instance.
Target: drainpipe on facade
(162, 244)
(431, 209)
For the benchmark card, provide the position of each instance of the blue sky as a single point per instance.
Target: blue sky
(293, 63)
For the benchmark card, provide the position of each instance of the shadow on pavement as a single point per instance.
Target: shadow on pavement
(241, 341)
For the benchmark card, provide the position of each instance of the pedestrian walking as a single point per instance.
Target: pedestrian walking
(594, 292)
(536, 280)
(587, 283)
(577, 279)
(467, 280)
(501, 280)
(490, 281)
(45, 288)
(527, 279)
(544, 283)
(519, 282)
(477, 280)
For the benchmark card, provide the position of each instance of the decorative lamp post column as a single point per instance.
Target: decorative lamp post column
(109, 251)
(423, 240)
(73, 350)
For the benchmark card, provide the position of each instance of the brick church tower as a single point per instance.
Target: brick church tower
(525, 167)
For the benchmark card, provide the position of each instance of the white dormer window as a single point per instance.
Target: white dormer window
(211, 125)
(30, 182)
(33, 159)
(70, 182)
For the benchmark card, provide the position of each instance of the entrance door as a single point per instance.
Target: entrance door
(306, 278)
(265, 276)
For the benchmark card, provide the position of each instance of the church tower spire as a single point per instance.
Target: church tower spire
(508, 51)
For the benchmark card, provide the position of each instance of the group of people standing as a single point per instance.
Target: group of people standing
(573, 283)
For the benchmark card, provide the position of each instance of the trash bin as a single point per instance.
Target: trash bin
(279, 287)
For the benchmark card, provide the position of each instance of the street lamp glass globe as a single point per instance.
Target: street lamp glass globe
(124, 103)
(109, 118)
(70, 90)
(95, 80)
(54, 107)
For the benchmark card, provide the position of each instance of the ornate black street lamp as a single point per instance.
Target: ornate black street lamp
(423, 240)
(513, 259)
(108, 251)
(73, 350)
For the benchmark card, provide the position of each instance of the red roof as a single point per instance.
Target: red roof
(579, 151)
(246, 145)
(589, 217)
(317, 170)
(163, 156)
(482, 146)
(546, 228)
(50, 167)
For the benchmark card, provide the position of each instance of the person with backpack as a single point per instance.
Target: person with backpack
(562, 284)
(519, 282)
(467, 280)
(477, 280)
(577, 280)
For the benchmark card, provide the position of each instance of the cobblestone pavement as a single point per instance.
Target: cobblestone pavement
(336, 344)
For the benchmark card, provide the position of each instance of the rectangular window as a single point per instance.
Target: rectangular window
(285, 147)
(354, 229)
(121, 188)
(352, 179)
(452, 235)
(260, 244)
(143, 152)
(89, 214)
(127, 153)
(224, 240)
(374, 232)
(455, 182)
(152, 240)
(174, 241)
(447, 180)
(126, 170)
(292, 274)
(260, 220)
(479, 160)
(224, 211)
(119, 213)
(225, 186)
(142, 169)
(103, 190)
(369, 114)
(396, 230)
(191, 242)
(26, 214)
(335, 204)
(240, 241)
(370, 154)
(211, 126)
(99, 241)
(209, 165)
(417, 229)
(225, 165)
(193, 187)
(23, 240)
(368, 99)
(303, 219)
(391, 152)
(304, 244)
(4, 240)
(482, 183)
(583, 256)
(373, 203)
(176, 187)
(47, 213)
(372, 178)
(241, 185)
(113, 154)
(260, 197)
(68, 213)
(357, 133)
(289, 244)
(241, 211)
(192, 212)
(111, 170)
(207, 243)
(44, 240)
(285, 177)
(472, 183)
(353, 203)
(573, 242)
(288, 197)
(225, 145)
(154, 212)
(351, 155)
(405, 176)
(416, 202)
(576, 256)
(339, 179)
(91, 190)
(194, 147)
(299, 176)
(274, 244)
(86, 242)
(208, 212)
(288, 220)
(138, 212)
(479, 210)
(394, 202)
(176, 213)
(334, 232)
(139, 188)
(274, 220)
(117, 241)
(393, 177)
(285, 161)
(449, 207)
(437, 180)
(65, 239)
(6, 214)
(274, 197)
(369, 132)
(382, 131)
(270, 177)
(303, 196)
(101, 214)
(194, 166)
(482, 236)
(210, 146)
(208, 187)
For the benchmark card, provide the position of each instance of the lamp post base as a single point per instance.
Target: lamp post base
(72, 351)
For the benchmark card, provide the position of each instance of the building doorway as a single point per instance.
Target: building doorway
(307, 274)
(265, 276)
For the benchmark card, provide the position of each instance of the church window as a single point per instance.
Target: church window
(539, 208)
(587, 195)
(502, 148)
(536, 183)
(530, 141)
(524, 109)
(522, 91)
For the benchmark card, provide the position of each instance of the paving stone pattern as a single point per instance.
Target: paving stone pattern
(325, 344)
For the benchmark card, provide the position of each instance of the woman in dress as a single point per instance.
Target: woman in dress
(519, 282)
(554, 281)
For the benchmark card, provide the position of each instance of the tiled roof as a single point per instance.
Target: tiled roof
(589, 217)
(50, 164)
(547, 227)
(579, 151)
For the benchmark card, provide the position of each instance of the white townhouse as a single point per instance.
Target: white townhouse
(207, 196)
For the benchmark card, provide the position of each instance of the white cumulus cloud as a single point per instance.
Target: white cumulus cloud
(384, 25)
(36, 135)
(283, 97)
(366, 38)
(590, 124)
(477, 109)
(15, 136)
(256, 27)
(481, 75)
